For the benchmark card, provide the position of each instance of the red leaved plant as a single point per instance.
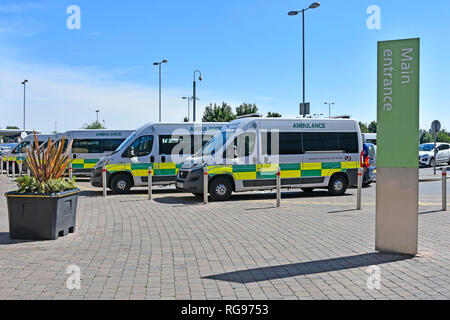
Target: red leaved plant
(49, 163)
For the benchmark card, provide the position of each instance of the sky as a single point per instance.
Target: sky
(247, 51)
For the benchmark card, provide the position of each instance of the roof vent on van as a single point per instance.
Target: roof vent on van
(344, 116)
(252, 115)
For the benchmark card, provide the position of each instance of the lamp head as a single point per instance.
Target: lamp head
(165, 61)
(293, 13)
(155, 63)
(314, 5)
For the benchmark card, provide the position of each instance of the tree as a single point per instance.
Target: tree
(443, 136)
(215, 113)
(185, 119)
(12, 128)
(246, 108)
(93, 126)
(373, 127)
(363, 127)
(426, 137)
(273, 115)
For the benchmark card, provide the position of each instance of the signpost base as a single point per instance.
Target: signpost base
(397, 210)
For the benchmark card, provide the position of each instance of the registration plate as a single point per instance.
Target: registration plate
(180, 185)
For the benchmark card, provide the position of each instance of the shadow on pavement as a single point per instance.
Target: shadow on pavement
(305, 268)
(5, 240)
(432, 211)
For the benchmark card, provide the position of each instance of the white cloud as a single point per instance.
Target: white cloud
(70, 96)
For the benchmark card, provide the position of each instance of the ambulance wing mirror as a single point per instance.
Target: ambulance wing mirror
(131, 153)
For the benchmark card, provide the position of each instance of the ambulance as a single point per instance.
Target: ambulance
(89, 146)
(246, 154)
(160, 146)
(19, 153)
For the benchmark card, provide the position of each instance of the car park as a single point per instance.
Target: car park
(429, 156)
(160, 146)
(246, 154)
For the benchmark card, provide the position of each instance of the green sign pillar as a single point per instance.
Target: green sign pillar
(398, 145)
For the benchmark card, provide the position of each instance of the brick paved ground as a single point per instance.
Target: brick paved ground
(314, 247)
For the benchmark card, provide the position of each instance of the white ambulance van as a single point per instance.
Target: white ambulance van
(161, 146)
(245, 155)
(89, 146)
(19, 153)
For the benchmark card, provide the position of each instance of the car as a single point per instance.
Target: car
(369, 163)
(427, 154)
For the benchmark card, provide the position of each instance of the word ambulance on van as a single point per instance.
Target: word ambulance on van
(246, 154)
(159, 146)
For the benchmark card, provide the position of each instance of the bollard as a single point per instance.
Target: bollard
(150, 182)
(20, 168)
(14, 169)
(7, 168)
(279, 187)
(444, 189)
(205, 185)
(28, 171)
(359, 189)
(104, 181)
(1, 166)
(70, 171)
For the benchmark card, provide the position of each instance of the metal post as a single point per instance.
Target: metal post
(358, 193)
(7, 168)
(150, 182)
(194, 99)
(279, 187)
(444, 189)
(435, 152)
(104, 181)
(70, 171)
(14, 169)
(1, 166)
(160, 92)
(205, 185)
(20, 168)
(28, 172)
(304, 86)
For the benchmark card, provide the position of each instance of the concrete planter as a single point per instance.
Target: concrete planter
(42, 216)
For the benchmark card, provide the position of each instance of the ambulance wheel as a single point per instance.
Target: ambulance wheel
(220, 189)
(121, 184)
(338, 185)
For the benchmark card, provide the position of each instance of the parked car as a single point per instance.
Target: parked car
(369, 163)
(427, 152)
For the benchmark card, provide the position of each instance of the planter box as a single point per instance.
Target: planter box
(42, 216)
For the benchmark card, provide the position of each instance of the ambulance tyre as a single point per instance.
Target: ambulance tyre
(220, 189)
(338, 185)
(121, 183)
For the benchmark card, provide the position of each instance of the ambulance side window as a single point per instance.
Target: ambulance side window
(248, 140)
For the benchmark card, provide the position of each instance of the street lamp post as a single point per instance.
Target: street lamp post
(194, 96)
(24, 82)
(189, 99)
(294, 13)
(97, 111)
(329, 107)
(159, 64)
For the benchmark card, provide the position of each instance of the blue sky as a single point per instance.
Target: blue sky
(247, 50)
